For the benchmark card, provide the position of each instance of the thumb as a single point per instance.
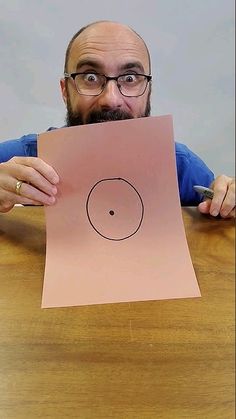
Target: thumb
(204, 207)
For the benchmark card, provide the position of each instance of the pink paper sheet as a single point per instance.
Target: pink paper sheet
(116, 232)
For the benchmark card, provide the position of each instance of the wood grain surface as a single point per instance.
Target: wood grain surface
(157, 359)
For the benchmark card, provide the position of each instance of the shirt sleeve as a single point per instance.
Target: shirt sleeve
(191, 171)
(25, 146)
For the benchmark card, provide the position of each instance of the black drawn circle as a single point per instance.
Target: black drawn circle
(112, 212)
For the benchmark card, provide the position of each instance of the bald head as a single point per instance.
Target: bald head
(107, 74)
(109, 29)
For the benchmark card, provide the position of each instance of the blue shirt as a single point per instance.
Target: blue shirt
(191, 170)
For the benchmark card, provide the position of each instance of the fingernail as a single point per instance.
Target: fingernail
(51, 200)
(214, 213)
(54, 190)
(55, 179)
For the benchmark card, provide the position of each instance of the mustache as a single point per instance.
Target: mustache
(107, 115)
(74, 119)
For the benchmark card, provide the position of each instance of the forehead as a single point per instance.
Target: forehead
(110, 45)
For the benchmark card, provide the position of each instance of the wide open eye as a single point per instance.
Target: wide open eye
(91, 78)
(129, 78)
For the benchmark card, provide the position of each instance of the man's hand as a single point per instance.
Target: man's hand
(38, 187)
(223, 202)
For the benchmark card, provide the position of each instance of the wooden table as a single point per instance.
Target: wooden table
(159, 359)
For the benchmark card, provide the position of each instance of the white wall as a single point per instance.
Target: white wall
(192, 48)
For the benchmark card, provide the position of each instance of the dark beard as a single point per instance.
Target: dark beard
(95, 117)
(74, 119)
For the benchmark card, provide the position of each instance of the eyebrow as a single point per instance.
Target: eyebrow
(88, 63)
(98, 66)
(134, 64)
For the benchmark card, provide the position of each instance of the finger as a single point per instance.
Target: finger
(40, 188)
(228, 214)
(10, 200)
(228, 205)
(40, 166)
(223, 201)
(28, 175)
(6, 206)
(33, 194)
(204, 208)
(216, 203)
(220, 187)
(231, 214)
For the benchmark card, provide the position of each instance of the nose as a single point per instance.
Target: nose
(110, 98)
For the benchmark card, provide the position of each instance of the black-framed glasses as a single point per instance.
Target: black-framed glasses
(93, 84)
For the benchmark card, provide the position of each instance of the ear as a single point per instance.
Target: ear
(63, 90)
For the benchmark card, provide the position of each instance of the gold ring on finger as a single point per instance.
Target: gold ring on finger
(18, 186)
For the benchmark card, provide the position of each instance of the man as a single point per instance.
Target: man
(107, 77)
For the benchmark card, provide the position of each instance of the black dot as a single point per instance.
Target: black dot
(111, 212)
